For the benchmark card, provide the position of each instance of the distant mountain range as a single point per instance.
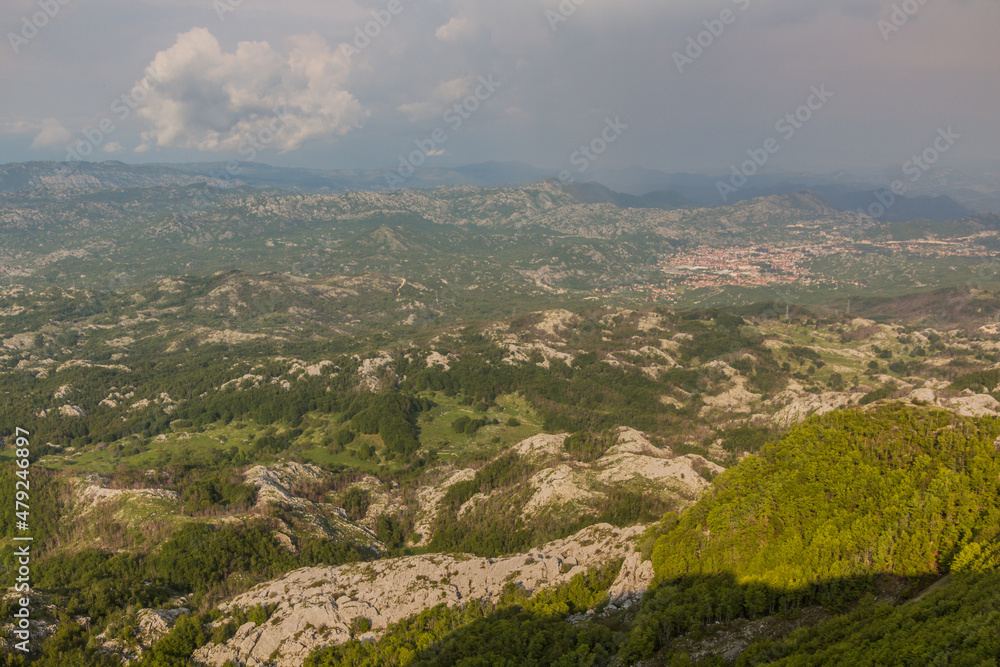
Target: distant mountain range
(634, 187)
(113, 174)
(595, 193)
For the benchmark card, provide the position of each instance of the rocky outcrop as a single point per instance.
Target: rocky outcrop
(155, 623)
(979, 405)
(541, 445)
(632, 461)
(633, 580)
(968, 405)
(72, 411)
(274, 483)
(151, 626)
(91, 491)
(315, 606)
(635, 458)
(430, 497)
(798, 405)
(562, 486)
(435, 358)
(370, 370)
(736, 397)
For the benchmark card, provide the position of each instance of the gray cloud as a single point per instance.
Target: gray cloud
(606, 59)
(212, 100)
(52, 134)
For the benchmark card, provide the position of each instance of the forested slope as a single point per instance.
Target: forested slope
(836, 529)
(851, 504)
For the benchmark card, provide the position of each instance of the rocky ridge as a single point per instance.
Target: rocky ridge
(316, 606)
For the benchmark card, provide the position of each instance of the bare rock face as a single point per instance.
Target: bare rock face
(633, 580)
(924, 395)
(561, 486)
(274, 483)
(437, 359)
(315, 606)
(368, 373)
(635, 458)
(800, 405)
(557, 322)
(91, 492)
(971, 405)
(275, 486)
(736, 398)
(632, 461)
(72, 411)
(541, 445)
(979, 405)
(430, 497)
(153, 625)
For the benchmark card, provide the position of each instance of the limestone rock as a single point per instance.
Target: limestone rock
(72, 411)
(980, 405)
(315, 606)
(155, 623)
(633, 580)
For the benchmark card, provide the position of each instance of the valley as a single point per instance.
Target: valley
(548, 333)
(428, 418)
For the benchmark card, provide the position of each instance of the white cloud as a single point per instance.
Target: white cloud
(439, 100)
(18, 127)
(211, 100)
(52, 135)
(113, 147)
(455, 29)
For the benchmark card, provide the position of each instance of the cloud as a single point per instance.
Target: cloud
(439, 100)
(113, 147)
(18, 127)
(455, 29)
(211, 100)
(52, 135)
(607, 59)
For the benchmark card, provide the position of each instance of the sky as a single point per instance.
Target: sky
(682, 86)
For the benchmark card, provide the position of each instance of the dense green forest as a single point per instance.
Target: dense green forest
(956, 625)
(820, 517)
